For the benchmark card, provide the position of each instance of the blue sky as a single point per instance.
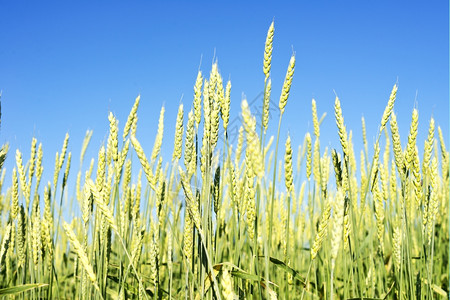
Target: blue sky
(65, 65)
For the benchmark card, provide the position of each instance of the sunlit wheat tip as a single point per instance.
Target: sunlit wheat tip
(159, 135)
(287, 84)
(144, 162)
(288, 165)
(417, 178)
(445, 164)
(398, 152)
(428, 148)
(131, 117)
(226, 106)
(266, 104)
(31, 162)
(412, 138)
(189, 142)
(308, 155)
(22, 176)
(206, 109)
(178, 141)
(48, 215)
(363, 125)
(39, 167)
(66, 171)
(15, 195)
(341, 127)
(268, 50)
(315, 118)
(101, 169)
(62, 157)
(214, 125)
(388, 110)
(198, 98)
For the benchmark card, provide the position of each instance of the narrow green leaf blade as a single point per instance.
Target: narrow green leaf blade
(21, 288)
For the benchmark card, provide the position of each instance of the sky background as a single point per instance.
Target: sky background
(64, 65)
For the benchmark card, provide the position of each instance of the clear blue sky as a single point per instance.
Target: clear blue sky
(64, 65)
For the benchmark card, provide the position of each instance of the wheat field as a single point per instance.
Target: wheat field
(255, 219)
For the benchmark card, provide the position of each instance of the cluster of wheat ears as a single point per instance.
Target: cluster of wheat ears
(222, 221)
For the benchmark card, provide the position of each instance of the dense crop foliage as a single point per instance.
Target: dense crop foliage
(217, 220)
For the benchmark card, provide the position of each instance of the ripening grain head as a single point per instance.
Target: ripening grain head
(287, 84)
